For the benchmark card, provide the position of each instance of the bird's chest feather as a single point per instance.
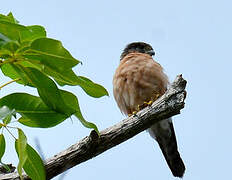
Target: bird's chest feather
(137, 80)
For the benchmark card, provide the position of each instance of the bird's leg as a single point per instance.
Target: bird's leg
(145, 104)
(149, 103)
(133, 113)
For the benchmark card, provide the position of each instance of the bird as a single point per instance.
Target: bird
(139, 80)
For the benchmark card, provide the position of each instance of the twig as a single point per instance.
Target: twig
(9, 83)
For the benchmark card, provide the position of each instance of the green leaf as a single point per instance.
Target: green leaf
(34, 112)
(34, 32)
(48, 121)
(34, 165)
(86, 123)
(12, 18)
(51, 53)
(15, 71)
(2, 146)
(20, 147)
(45, 54)
(72, 101)
(4, 54)
(3, 40)
(68, 77)
(9, 18)
(91, 88)
(29, 64)
(12, 46)
(7, 119)
(11, 30)
(48, 91)
(21, 33)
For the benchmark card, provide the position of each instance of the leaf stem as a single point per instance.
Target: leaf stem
(10, 133)
(9, 82)
(12, 127)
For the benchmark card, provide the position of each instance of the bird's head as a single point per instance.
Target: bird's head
(139, 47)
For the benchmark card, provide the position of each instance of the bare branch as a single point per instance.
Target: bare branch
(166, 106)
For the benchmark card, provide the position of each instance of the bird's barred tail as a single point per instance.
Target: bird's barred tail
(169, 149)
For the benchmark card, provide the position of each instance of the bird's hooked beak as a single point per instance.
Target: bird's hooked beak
(151, 52)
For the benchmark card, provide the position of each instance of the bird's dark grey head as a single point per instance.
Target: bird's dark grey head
(140, 47)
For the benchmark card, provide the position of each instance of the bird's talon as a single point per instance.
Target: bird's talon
(134, 112)
(149, 103)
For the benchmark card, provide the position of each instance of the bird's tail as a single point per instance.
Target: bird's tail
(165, 136)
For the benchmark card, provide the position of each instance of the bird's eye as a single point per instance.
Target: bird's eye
(147, 49)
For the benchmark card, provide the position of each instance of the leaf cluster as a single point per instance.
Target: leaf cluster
(30, 58)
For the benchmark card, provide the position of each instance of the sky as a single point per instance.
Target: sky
(190, 37)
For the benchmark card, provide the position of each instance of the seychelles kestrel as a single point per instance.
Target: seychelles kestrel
(140, 79)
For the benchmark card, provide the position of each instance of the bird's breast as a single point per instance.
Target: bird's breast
(137, 79)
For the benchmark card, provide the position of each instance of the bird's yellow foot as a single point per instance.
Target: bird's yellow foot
(133, 113)
(145, 104)
(149, 102)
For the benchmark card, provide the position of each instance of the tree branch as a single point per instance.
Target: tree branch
(166, 106)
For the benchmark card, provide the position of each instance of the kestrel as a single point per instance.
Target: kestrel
(140, 80)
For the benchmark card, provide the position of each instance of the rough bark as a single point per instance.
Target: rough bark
(166, 106)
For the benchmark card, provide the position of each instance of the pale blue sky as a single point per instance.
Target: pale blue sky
(189, 37)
